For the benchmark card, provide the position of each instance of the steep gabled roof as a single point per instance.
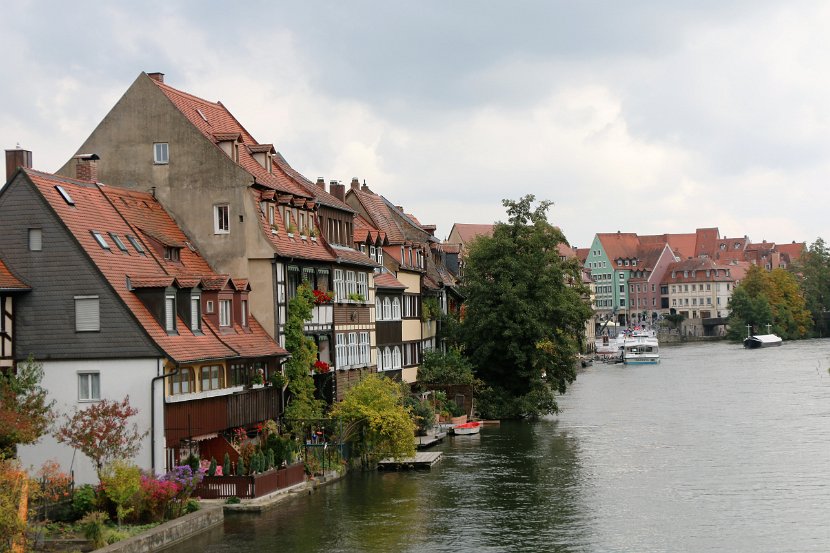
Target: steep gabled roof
(109, 211)
(379, 215)
(468, 232)
(387, 281)
(295, 246)
(319, 193)
(706, 241)
(619, 245)
(793, 250)
(9, 282)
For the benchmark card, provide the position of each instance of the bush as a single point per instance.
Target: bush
(92, 525)
(193, 462)
(212, 468)
(122, 483)
(192, 506)
(84, 500)
(226, 465)
(157, 497)
(233, 500)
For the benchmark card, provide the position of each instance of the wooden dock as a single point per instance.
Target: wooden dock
(422, 460)
(423, 442)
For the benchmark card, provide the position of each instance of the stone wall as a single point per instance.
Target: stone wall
(170, 532)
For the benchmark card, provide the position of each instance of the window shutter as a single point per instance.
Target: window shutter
(35, 239)
(169, 314)
(194, 313)
(87, 317)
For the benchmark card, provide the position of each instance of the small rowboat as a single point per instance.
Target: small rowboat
(473, 427)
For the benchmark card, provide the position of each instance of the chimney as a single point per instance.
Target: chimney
(17, 158)
(365, 188)
(337, 190)
(321, 182)
(355, 184)
(156, 76)
(86, 167)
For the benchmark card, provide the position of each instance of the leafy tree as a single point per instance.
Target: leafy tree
(101, 432)
(768, 297)
(13, 490)
(446, 369)
(25, 413)
(813, 272)
(121, 482)
(377, 423)
(302, 405)
(525, 313)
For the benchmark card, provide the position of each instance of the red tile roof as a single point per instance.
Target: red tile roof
(379, 215)
(793, 250)
(619, 245)
(110, 210)
(10, 282)
(386, 280)
(468, 232)
(321, 195)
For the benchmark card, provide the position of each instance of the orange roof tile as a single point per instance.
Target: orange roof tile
(386, 280)
(468, 232)
(10, 282)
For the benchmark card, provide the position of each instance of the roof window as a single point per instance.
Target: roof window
(118, 242)
(100, 239)
(66, 197)
(136, 244)
(201, 114)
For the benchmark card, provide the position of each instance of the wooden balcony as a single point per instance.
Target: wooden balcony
(212, 415)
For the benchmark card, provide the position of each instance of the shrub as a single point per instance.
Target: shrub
(226, 465)
(92, 525)
(157, 497)
(212, 468)
(193, 462)
(240, 467)
(188, 481)
(192, 506)
(121, 482)
(84, 500)
(233, 500)
(269, 459)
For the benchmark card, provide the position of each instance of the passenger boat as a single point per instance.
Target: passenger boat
(473, 427)
(641, 349)
(762, 341)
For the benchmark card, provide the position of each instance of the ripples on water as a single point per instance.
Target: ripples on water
(715, 449)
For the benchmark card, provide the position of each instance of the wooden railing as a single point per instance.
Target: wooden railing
(249, 487)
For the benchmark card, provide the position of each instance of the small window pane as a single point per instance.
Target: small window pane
(161, 153)
(118, 242)
(136, 244)
(89, 386)
(100, 239)
(170, 314)
(35, 239)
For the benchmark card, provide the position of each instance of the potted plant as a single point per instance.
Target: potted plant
(291, 230)
(258, 378)
(321, 367)
(313, 233)
(354, 296)
(321, 297)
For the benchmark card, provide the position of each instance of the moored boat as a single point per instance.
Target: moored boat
(762, 341)
(473, 427)
(641, 349)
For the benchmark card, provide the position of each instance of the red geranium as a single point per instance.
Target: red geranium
(321, 297)
(321, 366)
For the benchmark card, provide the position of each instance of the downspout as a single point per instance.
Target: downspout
(162, 376)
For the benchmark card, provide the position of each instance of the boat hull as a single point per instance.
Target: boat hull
(762, 341)
(467, 428)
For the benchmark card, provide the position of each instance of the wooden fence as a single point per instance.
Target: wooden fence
(249, 487)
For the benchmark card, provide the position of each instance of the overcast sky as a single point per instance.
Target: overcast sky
(644, 117)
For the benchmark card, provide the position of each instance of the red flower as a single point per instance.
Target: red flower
(321, 366)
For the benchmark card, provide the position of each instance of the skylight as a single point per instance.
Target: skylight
(67, 198)
(136, 244)
(118, 242)
(100, 239)
(201, 114)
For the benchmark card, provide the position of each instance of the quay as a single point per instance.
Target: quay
(422, 460)
(423, 442)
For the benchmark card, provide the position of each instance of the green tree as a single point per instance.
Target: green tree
(813, 272)
(302, 405)
(102, 432)
(446, 369)
(25, 413)
(377, 423)
(768, 297)
(525, 313)
(121, 482)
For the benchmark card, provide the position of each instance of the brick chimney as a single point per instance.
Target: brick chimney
(337, 190)
(86, 167)
(321, 182)
(365, 188)
(156, 76)
(17, 158)
(355, 184)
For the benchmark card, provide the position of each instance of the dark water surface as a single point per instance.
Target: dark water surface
(715, 449)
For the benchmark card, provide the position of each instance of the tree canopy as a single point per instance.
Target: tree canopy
(25, 413)
(813, 272)
(302, 405)
(525, 313)
(768, 297)
(376, 421)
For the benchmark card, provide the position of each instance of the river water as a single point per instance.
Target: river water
(716, 449)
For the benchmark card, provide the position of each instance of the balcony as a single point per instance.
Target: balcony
(212, 415)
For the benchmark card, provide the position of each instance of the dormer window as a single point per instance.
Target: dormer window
(224, 312)
(271, 211)
(244, 312)
(195, 315)
(170, 314)
(172, 253)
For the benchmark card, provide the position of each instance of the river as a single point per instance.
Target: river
(717, 448)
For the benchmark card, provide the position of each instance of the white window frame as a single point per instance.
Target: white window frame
(87, 314)
(170, 313)
(35, 239)
(387, 358)
(221, 219)
(244, 310)
(195, 319)
(396, 309)
(351, 283)
(378, 309)
(396, 358)
(340, 286)
(365, 350)
(387, 309)
(353, 351)
(161, 153)
(363, 285)
(87, 386)
(225, 307)
(340, 351)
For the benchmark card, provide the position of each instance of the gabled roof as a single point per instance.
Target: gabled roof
(348, 255)
(363, 231)
(619, 245)
(380, 217)
(706, 241)
(793, 250)
(683, 245)
(9, 282)
(319, 193)
(468, 232)
(109, 210)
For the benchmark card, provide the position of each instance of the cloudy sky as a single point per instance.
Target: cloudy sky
(638, 116)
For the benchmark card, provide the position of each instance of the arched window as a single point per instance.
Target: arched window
(387, 309)
(378, 310)
(396, 309)
(396, 358)
(387, 358)
(380, 359)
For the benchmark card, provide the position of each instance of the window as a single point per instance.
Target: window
(353, 360)
(35, 239)
(212, 377)
(238, 373)
(387, 358)
(170, 314)
(161, 153)
(89, 386)
(365, 355)
(380, 360)
(224, 312)
(340, 351)
(182, 382)
(100, 239)
(396, 309)
(118, 242)
(65, 195)
(87, 317)
(351, 283)
(195, 319)
(271, 214)
(209, 307)
(294, 280)
(363, 285)
(244, 309)
(136, 244)
(221, 219)
(171, 253)
(371, 251)
(378, 309)
(396, 358)
(621, 276)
